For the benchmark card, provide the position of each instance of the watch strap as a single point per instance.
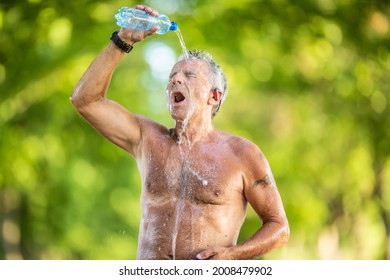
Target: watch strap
(122, 45)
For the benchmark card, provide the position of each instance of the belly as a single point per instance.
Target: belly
(181, 229)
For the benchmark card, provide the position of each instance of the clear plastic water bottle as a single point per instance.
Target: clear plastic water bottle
(140, 20)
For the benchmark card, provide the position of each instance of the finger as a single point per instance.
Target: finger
(147, 9)
(152, 31)
(200, 256)
(205, 255)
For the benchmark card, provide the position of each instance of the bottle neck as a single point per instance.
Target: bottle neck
(173, 26)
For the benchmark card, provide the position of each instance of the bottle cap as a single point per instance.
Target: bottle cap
(173, 26)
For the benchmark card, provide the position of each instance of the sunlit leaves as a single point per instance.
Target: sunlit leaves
(308, 83)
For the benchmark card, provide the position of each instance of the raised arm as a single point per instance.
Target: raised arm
(112, 120)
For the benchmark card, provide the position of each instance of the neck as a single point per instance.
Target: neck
(190, 131)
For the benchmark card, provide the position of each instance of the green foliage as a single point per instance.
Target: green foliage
(308, 83)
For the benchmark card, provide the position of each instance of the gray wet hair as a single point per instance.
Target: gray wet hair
(218, 80)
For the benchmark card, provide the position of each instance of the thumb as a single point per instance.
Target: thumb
(205, 254)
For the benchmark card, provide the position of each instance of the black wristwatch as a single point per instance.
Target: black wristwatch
(122, 45)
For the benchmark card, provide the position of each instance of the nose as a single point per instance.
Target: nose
(177, 79)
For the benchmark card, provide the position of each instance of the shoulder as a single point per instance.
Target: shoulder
(253, 163)
(243, 148)
(153, 134)
(151, 128)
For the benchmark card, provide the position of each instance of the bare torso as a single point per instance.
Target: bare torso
(192, 195)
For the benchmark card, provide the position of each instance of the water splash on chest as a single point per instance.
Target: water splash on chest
(188, 169)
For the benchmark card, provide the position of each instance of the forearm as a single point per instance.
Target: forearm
(270, 236)
(95, 81)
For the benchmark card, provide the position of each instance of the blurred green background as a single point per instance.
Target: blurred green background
(309, 84)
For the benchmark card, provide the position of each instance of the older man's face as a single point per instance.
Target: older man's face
(188, 88)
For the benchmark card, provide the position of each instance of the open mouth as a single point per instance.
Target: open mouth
(178, 97)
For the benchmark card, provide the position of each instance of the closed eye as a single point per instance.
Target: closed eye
(190, 74)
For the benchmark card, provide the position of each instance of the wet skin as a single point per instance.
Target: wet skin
(193, 193)
(196, 180)
(191, 200)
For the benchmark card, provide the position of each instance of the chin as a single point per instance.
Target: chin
(179, 115)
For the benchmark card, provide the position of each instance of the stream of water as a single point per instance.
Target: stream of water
(183, 45)
(188, 167)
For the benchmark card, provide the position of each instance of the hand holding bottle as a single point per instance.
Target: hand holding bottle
(132, 36)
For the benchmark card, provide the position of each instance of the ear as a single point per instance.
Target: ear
(215, 97)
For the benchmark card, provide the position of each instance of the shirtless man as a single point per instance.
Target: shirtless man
(196, 180)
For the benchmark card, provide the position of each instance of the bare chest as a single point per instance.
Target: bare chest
(201, 175)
